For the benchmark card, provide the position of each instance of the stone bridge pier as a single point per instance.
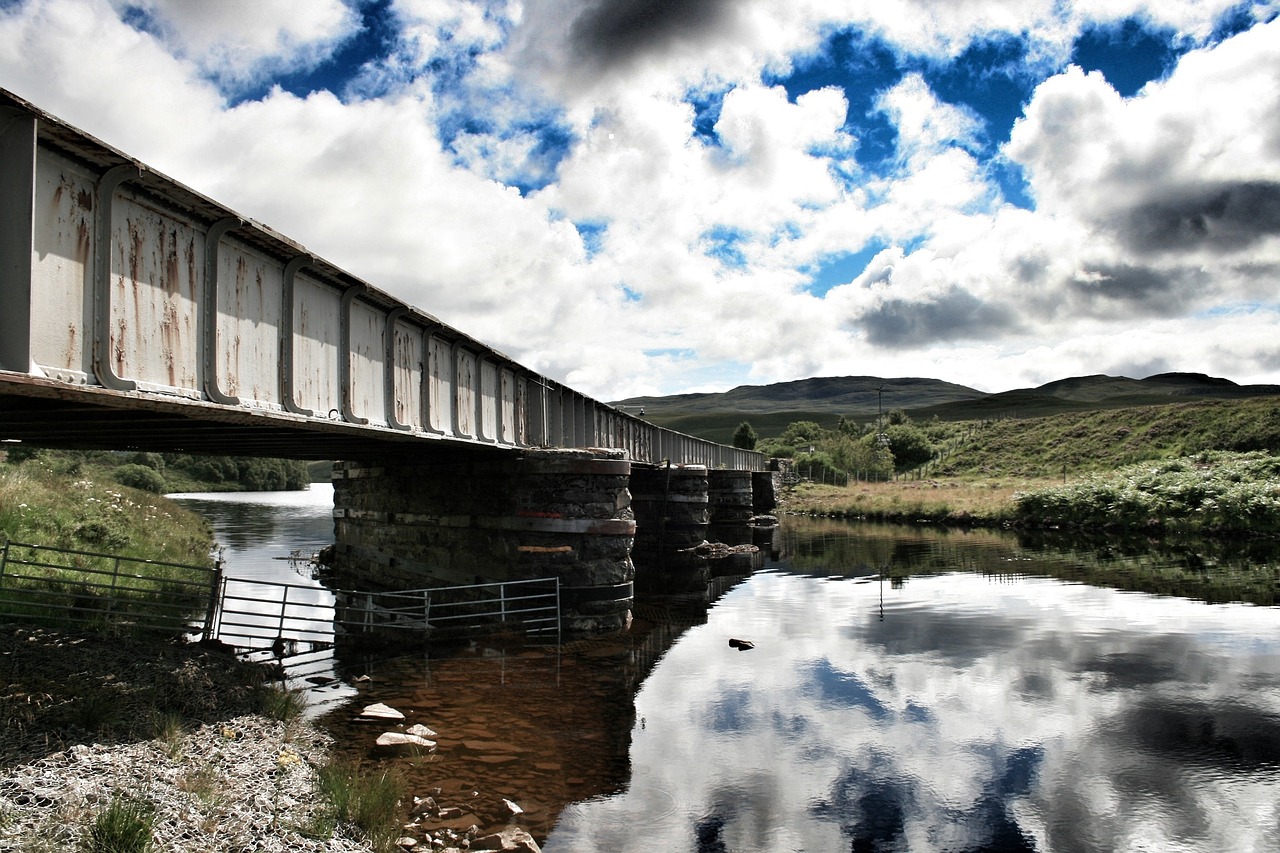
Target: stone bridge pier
(456, 516)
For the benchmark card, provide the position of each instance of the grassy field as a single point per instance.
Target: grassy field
(954, 501)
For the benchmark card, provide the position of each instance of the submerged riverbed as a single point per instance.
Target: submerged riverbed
(908, 689)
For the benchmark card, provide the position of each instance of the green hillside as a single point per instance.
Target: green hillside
(770, 408)
(1106, 439)
(838, 395)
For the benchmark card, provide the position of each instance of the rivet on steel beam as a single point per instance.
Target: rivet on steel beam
(107, 185)
(286, 335)
(209, 310)
(389, 367)
(344, 354)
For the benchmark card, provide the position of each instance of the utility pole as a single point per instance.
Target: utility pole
(881, 438)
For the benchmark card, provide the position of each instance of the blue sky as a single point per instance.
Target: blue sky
(659, 196)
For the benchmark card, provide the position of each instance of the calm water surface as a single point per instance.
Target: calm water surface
(908, 690)
(259, 536)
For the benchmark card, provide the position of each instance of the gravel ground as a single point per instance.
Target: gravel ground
(89, 718)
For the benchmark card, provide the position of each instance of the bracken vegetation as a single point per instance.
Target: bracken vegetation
(1211, 492)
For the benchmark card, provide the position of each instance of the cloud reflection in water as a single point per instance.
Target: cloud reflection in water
(979, 715)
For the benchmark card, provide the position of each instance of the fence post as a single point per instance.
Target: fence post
(284, 603)
(115, 578)
(4, 559)
(215, 592)
(502, 602)
(558, 629)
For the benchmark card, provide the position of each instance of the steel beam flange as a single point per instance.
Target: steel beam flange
(344, 353)
(209, 310)
(389, 367)
(286, 335)
(107, 185)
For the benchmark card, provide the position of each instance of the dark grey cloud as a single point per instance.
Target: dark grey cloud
(1123, 283)
(613, 32)
(1135, 291)
(1216, 216)
(954, 315)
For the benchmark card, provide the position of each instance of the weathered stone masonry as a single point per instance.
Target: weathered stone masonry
(461, 518)
(454, 517)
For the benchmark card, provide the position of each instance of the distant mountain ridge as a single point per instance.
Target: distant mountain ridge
(824, 399)
(836, 394)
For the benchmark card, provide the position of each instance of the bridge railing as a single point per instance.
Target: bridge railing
(565, 418)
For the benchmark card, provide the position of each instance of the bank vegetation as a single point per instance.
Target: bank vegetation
(1208, 467)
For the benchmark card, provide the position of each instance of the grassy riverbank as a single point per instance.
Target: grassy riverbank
(42, 504)
(1211, 493)
(981, 502)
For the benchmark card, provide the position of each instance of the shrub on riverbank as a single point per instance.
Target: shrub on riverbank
(1212, 491)
(174, 472)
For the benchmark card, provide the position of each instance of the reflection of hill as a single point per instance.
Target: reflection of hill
(1203, 569)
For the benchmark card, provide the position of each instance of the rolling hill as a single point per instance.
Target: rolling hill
(769, 408)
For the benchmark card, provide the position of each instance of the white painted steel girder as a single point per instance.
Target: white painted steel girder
(115, 277)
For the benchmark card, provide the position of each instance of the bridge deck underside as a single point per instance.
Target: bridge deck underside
(50, 414)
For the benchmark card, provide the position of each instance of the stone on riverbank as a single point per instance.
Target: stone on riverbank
(395, 739)
(379, 711)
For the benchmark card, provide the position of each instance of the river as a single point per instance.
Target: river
(908, 689)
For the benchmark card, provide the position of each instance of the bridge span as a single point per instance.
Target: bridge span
(136, 313)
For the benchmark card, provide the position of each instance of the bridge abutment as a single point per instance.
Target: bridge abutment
(465, 517)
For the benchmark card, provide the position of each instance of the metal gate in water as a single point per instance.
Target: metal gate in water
(87, 589)
(260, 614)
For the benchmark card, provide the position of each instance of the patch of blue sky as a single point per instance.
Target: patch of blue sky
(863, 67)
(842, 268)
(348, 66)
(630, 295)
(592, 234)
(706, 112)
(134, 16)
(1238, 308)
(679, 353)
(1012, 181)
(1243, 16)
(1130, 53)
(537, 126)
(724, 244)
(992, 79)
